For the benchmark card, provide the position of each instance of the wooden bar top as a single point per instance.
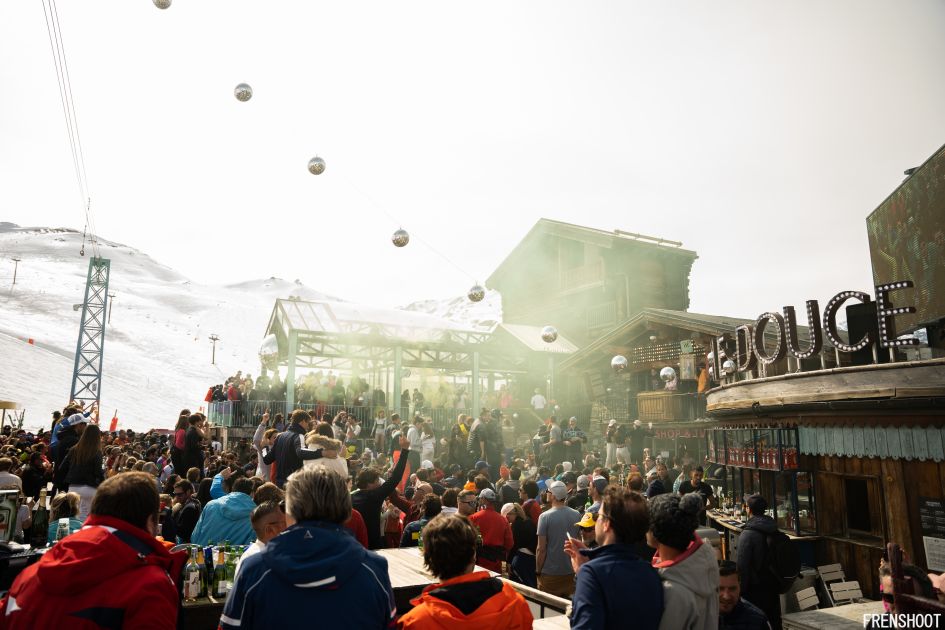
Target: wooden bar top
(405, 568)
(729, 523)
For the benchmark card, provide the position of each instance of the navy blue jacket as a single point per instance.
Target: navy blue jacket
(313, 574)
(602, 597)
(745, 616)
(288, 453)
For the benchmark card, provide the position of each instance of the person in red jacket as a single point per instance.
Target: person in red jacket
(465, 598)
(358, 529)
(112, 573)
(495, 531)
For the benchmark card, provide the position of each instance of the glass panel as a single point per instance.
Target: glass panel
(784, 502)
(789, 449)
(806, 514)
(766, 446)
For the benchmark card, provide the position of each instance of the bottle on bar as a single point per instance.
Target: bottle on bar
(40, 522)
(219, 576)
(230, 569)
(191, 578)
(201, 565)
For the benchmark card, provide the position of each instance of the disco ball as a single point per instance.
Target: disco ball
(710, 357)
(400, 238)
(316, 166)
(243, 92)
(668, 374)
(476, 293)
(549, 334)
(269, 351)
(728, 366)
(515, 415)
(162, 4)
(619, 363)
(711, 373)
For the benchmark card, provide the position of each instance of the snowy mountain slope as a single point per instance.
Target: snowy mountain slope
(482, 315)
(157, 351)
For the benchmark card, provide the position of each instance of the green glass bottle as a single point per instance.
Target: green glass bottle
(219, 576)
(230, 569)
(201, 564)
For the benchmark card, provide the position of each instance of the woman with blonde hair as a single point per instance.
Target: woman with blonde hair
(331, 449)
(521, 560)
(64, 505)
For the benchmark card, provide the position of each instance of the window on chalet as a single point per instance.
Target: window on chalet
(571, 254)
(857, 499)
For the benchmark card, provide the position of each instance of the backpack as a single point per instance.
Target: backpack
(782, 562)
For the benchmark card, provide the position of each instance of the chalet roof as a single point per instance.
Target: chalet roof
(696, 322)
(346, 318)
(601, 238)
(530, 337)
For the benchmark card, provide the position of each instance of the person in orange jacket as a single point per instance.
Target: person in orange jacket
(464, 599)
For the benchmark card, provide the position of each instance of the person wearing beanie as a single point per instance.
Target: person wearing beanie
(685, 562)
(750, 559)
(580, 499)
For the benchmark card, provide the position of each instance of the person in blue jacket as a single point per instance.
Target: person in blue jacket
(315, 567)
(601, 596)
(227, 518)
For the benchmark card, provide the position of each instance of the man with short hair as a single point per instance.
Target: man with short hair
(112, 573)
(372, 490)
(601, 597)
(552, 565)
(495, 531)
(188, 514)
(695, 484)
(734, 612)
(658, 485)
(315, 565)
(465, 598)
(466, 503)
(752, 554)
(268, 521)
(227, 518)
(288, 451)
(529, 498)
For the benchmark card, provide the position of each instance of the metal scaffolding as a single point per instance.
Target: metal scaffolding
(87, 373)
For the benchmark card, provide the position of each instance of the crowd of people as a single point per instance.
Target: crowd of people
(312, 505)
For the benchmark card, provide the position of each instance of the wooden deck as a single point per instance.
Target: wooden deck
(848, 617)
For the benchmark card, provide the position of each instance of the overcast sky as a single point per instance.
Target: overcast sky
(760, 134)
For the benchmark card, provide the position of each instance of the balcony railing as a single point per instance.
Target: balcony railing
(582, 276)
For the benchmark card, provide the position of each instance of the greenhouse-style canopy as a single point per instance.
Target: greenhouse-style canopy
(347, 336)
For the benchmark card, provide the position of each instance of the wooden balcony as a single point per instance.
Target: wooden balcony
(583, 276)
(662, 406)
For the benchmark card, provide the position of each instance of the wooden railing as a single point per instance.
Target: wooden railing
(583, 275)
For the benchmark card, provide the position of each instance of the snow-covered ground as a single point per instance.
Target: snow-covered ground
(157, 351)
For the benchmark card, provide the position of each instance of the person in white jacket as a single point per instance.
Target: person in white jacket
(687, 564)
(333, 461)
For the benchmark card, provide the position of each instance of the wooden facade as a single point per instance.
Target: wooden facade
(873, 439)
(586, 281)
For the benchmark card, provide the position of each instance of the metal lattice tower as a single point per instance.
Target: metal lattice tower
(87, 374)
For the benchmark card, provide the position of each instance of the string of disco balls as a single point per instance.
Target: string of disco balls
(400, 238)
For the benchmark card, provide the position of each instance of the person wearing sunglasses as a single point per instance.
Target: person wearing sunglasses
(189, 512)
(467, 502)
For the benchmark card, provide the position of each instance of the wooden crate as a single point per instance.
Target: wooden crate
(660, 407)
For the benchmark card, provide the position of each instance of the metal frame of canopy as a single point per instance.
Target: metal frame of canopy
(323, 335)
(4, 405)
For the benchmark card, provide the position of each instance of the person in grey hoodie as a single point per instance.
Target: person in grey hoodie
(686, 564)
